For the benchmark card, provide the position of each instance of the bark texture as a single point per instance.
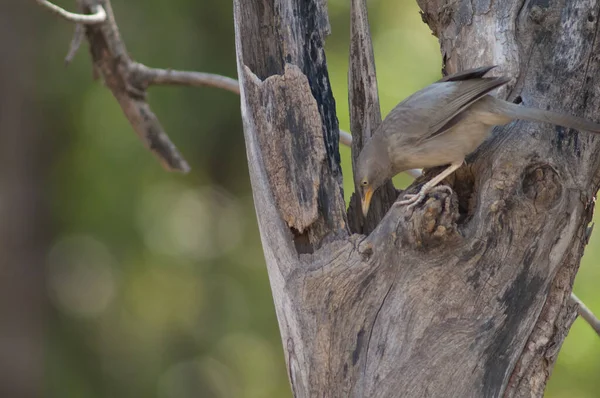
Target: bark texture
(467, 295)
(365, 115)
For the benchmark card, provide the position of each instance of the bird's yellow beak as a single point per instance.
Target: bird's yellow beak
(366, 200)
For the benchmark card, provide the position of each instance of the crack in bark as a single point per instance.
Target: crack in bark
(373, 326)
(589, 60)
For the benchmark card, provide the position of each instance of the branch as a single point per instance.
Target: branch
(345, 138)
(586, 313)
(76, 41)
(128, 80)
(155, 76)
(365, 115)
(184, 78)
(118, 71)
(199, 79)
(98, 14)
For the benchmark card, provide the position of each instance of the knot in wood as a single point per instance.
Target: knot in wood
(435, 221)
(542, 185)
(536, 15)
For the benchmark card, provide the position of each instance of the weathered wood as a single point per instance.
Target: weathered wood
(548, 47)
(466, 296)
(281, 56)
(365, 115)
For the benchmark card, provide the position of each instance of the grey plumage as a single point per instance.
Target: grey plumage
(441, 124)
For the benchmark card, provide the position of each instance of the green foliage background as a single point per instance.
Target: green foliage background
(156, 281)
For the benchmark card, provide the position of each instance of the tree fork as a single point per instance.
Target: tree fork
(465, 296)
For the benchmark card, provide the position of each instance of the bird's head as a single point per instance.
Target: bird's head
(373, 168)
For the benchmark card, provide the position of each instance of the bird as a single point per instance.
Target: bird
(440, 125)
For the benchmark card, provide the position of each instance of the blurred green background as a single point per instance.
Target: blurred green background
(135, 282)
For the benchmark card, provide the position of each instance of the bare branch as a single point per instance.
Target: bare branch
(98, 14)
(586, 313)
(128, 80)
(345, 138)
(199, 79)
(112, 62)
(185, 78)
(75, 43)
(365, 115)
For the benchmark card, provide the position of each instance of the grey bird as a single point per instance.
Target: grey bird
(440, 125)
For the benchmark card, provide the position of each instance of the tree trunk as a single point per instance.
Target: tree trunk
(467, 295)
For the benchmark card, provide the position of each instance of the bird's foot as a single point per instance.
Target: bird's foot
(413, 200)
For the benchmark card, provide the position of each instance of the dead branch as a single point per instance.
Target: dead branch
(365, 114)
(128, 80)
(156, 76)
(98, 15)
(118, 71)
(586, 314)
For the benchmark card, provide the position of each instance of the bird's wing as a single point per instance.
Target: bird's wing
(467, 74)
(453, 98)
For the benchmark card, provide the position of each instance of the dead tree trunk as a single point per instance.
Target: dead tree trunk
(466, 296)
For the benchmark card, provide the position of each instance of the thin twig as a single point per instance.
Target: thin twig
(345, 138)
(152, 76)
(585, 313)
(98, 14)
(112, 62)
(75, 42)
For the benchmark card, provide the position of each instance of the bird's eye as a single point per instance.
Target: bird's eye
(364, 183)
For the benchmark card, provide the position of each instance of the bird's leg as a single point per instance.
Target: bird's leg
(414, 199)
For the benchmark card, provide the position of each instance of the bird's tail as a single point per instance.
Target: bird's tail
(515, 111)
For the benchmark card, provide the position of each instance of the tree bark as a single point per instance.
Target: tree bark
(466, 295)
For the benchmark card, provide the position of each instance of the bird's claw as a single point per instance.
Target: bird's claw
(413, 200)
(441, 188)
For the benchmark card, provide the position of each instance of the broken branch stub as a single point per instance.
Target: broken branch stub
(365, 116)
